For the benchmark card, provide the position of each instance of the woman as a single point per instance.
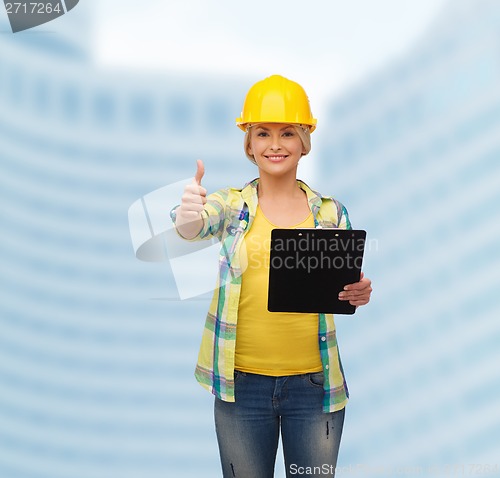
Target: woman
(268, 371)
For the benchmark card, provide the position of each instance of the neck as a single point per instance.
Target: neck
(281, 187)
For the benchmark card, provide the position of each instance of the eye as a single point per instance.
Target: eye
(288, 134)
(262, 134)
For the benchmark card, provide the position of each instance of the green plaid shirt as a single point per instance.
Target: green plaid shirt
(228, 216)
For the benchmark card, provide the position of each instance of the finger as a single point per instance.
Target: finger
(192, 201)
(357, 303)
(192, 206)
(358, 300)
(350, 294)
(362, 284)
(194, 189)
(200, 171)
(202, 191)
(355, 294)
(196, 199)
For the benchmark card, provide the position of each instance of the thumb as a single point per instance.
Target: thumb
(200, 171)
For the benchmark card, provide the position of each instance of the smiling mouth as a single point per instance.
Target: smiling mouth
(277, 157)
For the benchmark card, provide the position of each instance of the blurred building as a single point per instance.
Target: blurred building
(414, 153)
(96, 352)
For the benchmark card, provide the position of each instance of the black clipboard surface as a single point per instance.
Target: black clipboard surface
(309, 267)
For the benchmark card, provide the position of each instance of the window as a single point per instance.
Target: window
(218, 116)
(70, 102)
(41, 96)
(104, 107)
(141, 109)
(180, 114)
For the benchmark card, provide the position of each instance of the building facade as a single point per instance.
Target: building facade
(414, 153)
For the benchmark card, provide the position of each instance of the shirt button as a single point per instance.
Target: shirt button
(323, 339)
(327, 366)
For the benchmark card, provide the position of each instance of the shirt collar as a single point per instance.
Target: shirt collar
(249, 194)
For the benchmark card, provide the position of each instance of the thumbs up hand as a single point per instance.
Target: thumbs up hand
(194, 196)
(189, 220)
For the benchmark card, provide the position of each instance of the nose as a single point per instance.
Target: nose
(275, 144)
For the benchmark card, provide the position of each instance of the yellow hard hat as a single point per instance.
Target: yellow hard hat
(276, 100)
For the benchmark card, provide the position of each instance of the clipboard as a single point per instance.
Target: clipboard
(309, 267)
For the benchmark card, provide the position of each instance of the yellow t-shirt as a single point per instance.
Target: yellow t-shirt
(271, 343)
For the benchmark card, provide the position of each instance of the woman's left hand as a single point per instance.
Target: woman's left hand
(358, 293)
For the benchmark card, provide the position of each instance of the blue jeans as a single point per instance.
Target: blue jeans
(248, 429)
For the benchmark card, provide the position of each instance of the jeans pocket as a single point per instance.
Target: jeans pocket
(317, 379)
(238, 375)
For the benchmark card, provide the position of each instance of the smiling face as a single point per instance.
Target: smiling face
(276, 147)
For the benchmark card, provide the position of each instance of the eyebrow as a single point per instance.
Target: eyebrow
(267, 129)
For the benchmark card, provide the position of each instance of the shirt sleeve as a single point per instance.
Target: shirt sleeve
(343, 217)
